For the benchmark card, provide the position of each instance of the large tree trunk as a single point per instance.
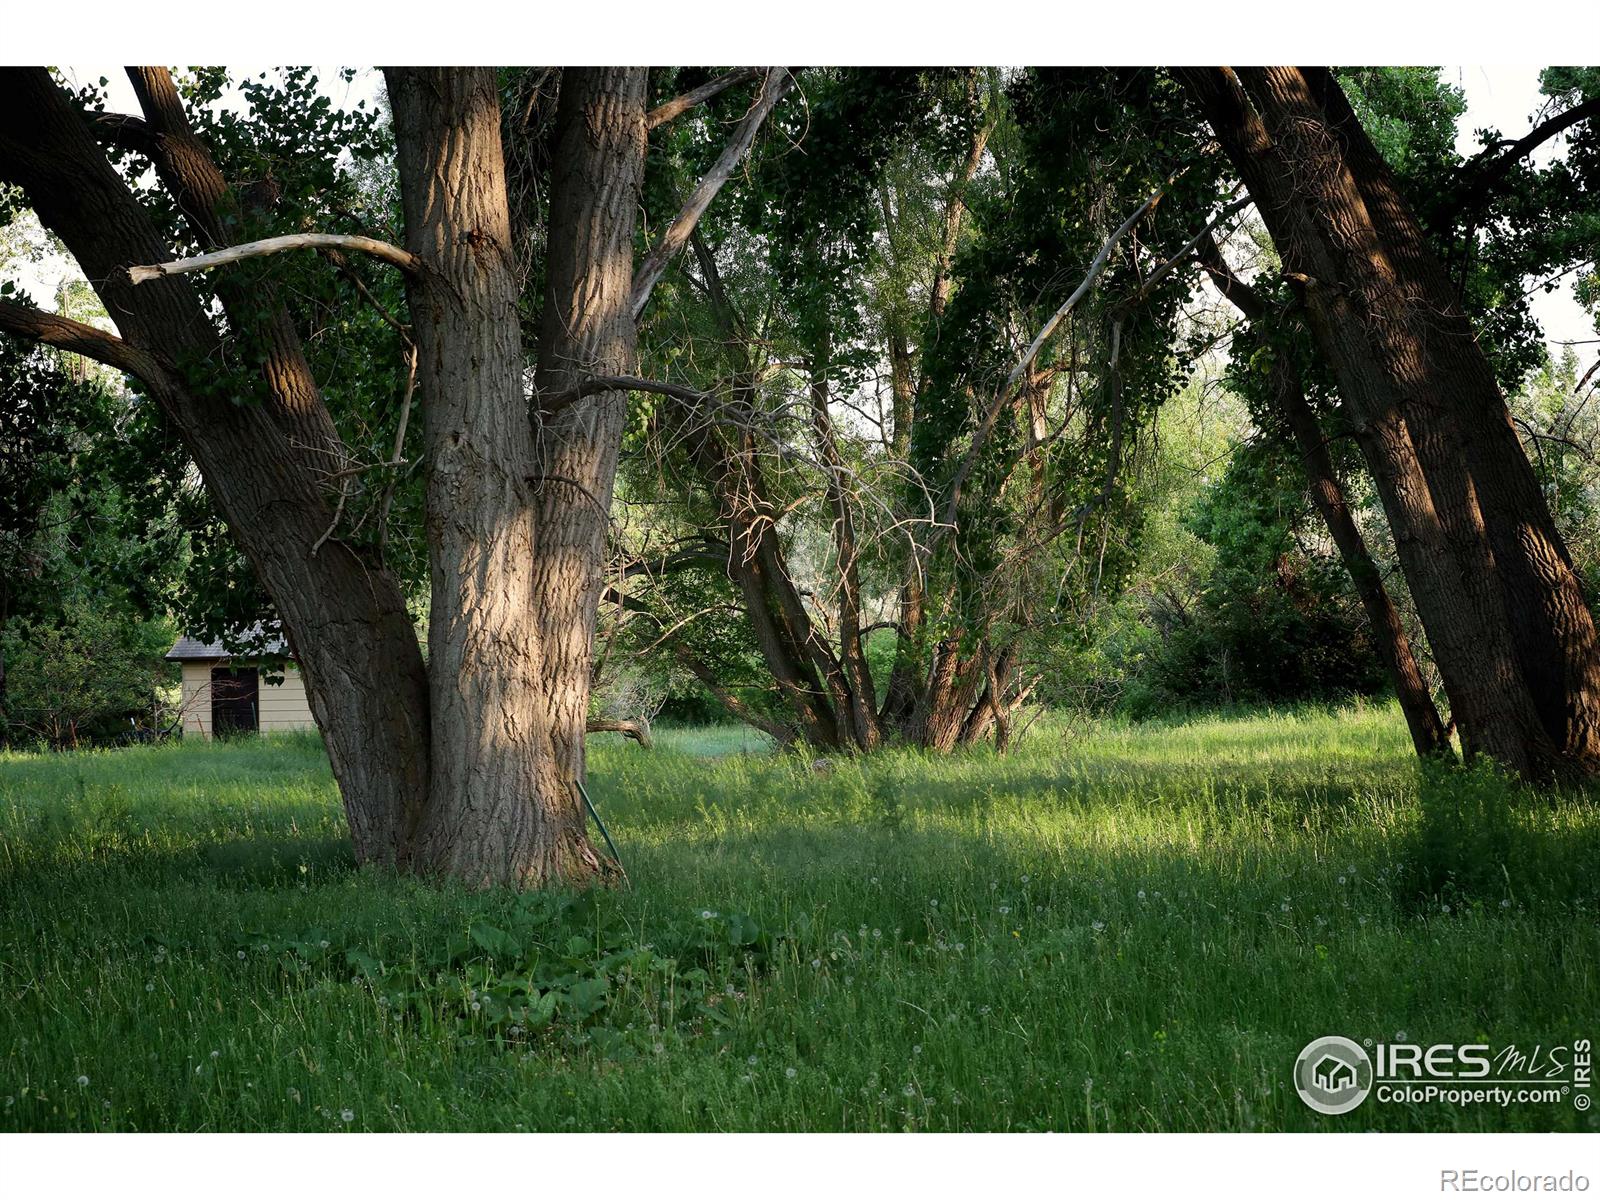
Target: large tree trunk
(1428, 734)
(596, 175)
(1426, 404)
(1552, 625)
(501, 808)
(345, 616)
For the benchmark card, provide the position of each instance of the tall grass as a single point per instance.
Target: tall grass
(1135, 928)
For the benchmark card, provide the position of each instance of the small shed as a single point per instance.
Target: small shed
(223, 694)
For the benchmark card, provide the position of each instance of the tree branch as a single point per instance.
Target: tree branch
(1095, 269)
(1243, 297)
(776, 85)
(124, 131)
(407, 262)
(1484, 172)
(1193, 244)
(679, 105)
(23, 321)
(595, 384)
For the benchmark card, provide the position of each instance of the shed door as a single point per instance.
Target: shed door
(234, 695)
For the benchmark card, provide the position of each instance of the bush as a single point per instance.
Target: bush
(83, 677)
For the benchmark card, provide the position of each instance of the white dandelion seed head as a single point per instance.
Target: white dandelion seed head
(1141, 893)
(346, 1116)
(83, 1081)
(1004, 909)
(790, 1073)
(816, 963)
(241, 954)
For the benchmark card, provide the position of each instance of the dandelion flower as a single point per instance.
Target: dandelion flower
(816, 963)
(1005, 909)
(706, 915)
(83, 1081)
(149, 987)
(216, 1054)
(1141, 893)
(1284, 906)
(916, 1049)
(751, 1060)
(346, 1116)
(790, 1073)
(241, 954)
(1024, 879)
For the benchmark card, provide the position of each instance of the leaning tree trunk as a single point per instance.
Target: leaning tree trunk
(1428, 734)
(1552, 625)
(501, 809)
(345, 616)
(1396, 346)
(596, 174)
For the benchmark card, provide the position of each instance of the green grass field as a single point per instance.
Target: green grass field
(1134, 929)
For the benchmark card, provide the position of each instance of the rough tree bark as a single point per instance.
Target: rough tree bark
(1490, 576)
(587, 329)
(501, 808)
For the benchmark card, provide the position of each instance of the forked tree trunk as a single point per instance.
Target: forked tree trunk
(501, 809)
(597, 172)
(1489, 574)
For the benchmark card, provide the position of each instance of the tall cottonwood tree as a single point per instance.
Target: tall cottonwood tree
(1509, 625)
(463, 766)
(976, 521)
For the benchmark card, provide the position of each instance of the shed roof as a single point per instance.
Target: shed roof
(188, 649)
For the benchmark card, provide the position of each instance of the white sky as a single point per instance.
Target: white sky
(1502, 97)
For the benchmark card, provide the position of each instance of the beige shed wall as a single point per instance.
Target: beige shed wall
(281, 706)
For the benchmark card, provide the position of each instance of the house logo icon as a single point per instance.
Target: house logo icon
(1333, 1075)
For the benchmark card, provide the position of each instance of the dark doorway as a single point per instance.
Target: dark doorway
(234, 693)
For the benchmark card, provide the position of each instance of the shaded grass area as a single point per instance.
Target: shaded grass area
(1133, 928)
